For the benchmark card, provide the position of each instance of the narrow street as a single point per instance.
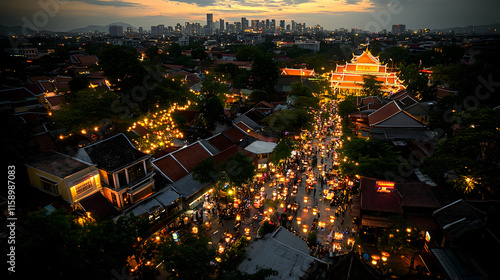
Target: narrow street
(304, 182)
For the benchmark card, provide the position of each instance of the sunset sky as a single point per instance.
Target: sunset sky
(330, 14)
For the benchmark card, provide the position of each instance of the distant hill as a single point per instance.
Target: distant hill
(101, 28)
(490, 28)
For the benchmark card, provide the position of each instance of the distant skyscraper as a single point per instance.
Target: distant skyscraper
(115, 30)
(140, 30)
(244, 24)
(398, 28)
(282, 25)
(221, 21)
(273, 26)
(129, 29)
(210, 24)
(294, 26)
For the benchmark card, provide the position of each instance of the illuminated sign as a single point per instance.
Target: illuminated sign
(384, 186)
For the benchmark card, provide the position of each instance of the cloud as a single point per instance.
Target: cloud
(113, 3)
(199, 3)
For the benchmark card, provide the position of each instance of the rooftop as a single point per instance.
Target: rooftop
(57, 164)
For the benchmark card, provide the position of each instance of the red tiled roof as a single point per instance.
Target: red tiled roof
(35, 89)
(140, 130)
(369, 99)
(221, 142)
(417, 195)
(55, 100)
(62, 79)
(15, 94)
(244, 127)
(377, 201)
(45, 142)
(171, 168)
(191, 156)
(297, 72)
(188, 114)
(84, 60)
(47, 86)
(35, 79)
(235, 134)
(383, 113)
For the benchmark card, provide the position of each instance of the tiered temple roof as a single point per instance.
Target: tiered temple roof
(348, 79)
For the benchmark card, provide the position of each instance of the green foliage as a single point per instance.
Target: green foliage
(54, 246)
(373, 157)
(347, 106)
(312, 237)
(206, 171)
(474, 165)
(264, 73)
(189, 258)
(371, 86)
(397, 239)
(78, 83)
(282, 151)
(239, 169)
(122, 66)
(233, 256)
(289, 121)
(88, 108)
(266, 228)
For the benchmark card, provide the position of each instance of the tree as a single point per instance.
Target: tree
(266, 228)
(206, 171)
(78, 83)
(371, 86)
(239, 169)
(401, 238)
(88, 108)
(122, 66)
(367, 157)
(264, 73)
(474, 165)
(189, 257)
(292, 121)
(347, 106)
(282, 151)
(53, 245)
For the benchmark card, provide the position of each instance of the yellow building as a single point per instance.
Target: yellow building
(65, 176)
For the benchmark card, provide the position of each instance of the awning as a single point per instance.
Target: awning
(147, 207)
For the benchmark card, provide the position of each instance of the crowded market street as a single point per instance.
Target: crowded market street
(307, 195)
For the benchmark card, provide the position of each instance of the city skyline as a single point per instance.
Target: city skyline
(371, 15)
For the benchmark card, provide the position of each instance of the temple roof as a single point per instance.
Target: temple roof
(365, 57)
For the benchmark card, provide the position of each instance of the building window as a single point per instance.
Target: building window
(122, 178)
(49, 186)
(83, 187)
(136, 171)
(111, 181)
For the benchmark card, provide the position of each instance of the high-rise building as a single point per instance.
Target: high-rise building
(398, 28)
(221, 21)
(115, 30)
(140, 30)
(294, 26)
(282, 24)
(255, 24)
(210, 24)
(244, 24)
(273, 26)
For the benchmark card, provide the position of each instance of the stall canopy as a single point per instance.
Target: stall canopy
(261, 147)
